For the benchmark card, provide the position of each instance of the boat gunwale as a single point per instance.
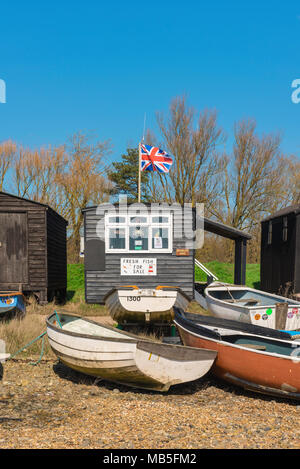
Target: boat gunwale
(232, 324)
(222, 342)
(5, 294)
(238, 288)
(139, 342)
(129, 288)
(88, 336)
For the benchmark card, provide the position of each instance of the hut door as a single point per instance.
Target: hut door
(13, 248)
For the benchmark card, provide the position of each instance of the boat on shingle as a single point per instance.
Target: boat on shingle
(133, 305)
(253, 306)
(108, 353)
(256, 358)
(12, 303)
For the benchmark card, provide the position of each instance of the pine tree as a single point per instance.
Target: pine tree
(125, 177)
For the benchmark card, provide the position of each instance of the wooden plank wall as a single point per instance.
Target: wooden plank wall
(37, 278)
(47, 261)
(57, 251)
(278, 259)
(171, 269)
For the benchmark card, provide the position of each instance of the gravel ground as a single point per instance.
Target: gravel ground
(50, 406)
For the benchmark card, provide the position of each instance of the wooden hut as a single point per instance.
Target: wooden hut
(118, 248)
(280, 251)
(33, 255)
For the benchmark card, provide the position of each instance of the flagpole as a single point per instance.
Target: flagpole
(140, 162)
(139, 183)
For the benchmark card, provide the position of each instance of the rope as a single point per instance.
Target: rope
(41, 355)
(58, 319)
(41, 336)
(227, 288)
(27, 345)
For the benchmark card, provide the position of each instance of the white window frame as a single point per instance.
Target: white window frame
(148, 224)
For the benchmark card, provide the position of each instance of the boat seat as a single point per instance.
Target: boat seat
(254, 346)
(247, 301)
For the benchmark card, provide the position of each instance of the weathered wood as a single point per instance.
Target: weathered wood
(281, 311)
(240, 261)
(172, 270)
(45, 239)
(13, 247)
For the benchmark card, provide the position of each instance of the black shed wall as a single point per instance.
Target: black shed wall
(172, 270)
(45, 255)
(279, 257)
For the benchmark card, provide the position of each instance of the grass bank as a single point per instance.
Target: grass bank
(225, 273)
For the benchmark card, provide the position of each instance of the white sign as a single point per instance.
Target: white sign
(138, 266)
(158, 242)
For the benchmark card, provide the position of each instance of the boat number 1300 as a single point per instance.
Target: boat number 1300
(133, 298)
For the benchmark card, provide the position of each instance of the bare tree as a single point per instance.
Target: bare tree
(197, 162)
(291, 180)
(83, 181)
(252, 180)
(36, 174)
(67, 178)
(7, 154)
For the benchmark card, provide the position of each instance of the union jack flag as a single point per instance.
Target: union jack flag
(155, 159)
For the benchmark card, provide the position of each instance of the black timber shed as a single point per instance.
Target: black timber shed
(280, 251)
(174, 258)
(33, 254)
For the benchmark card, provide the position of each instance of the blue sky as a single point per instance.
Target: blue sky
(99, 66)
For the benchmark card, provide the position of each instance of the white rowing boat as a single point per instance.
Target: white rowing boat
(114, 355)
(252, 306)
(131, 304)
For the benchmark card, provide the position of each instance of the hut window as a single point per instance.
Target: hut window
(160, 238)
(117, 238)
(117, 219)
(285, 229)
(138, 219)
(270, 233)
(160, 219)
(138, 238)
(139, 233)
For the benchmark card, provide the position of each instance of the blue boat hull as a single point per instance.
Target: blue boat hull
(12, 304)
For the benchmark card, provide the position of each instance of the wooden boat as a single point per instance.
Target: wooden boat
(248, 305)
(12, 303)
(134, 305)
(114, 355)
(256, 358)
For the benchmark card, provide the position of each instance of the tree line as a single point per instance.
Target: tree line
(238, 187)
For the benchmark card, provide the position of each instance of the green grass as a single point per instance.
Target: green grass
(75, 280)
(225, 273)
(76, 290)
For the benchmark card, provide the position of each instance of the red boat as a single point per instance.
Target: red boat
(256, 358)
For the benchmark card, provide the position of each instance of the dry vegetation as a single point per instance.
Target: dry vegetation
(18, 332)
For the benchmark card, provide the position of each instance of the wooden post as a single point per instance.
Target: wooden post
(240, 261)
(140, 176)
(281, 310)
